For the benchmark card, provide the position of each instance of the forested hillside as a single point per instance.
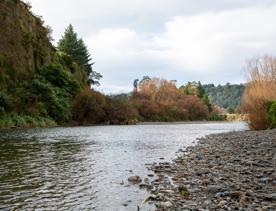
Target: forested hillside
(226, 96)
(38, 82)
(44, 85)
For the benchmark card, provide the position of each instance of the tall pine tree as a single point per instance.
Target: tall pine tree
(76, 48)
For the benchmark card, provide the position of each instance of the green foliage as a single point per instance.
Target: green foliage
(184, 191)
(206, 101)
(4, 102)
(21, 120)
(272, 114)
(50, 101)
(27, 38)
(37, 82)
(217, 117)
(200, 90)
(196, 88)
(230, 110)
(192, 88)
(59, 77)
(225, 96)
(76, 48)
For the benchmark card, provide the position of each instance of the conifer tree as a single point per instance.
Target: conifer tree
(76, 48)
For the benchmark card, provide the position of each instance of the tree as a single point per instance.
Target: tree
(135, 84)
(200, 90)
(76, 48)
(88, 107)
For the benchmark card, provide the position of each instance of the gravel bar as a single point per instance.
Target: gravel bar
(229, 171)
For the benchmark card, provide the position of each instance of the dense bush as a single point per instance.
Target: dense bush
(217, 117)
(272, 114)
(160, 100)
(259, 91)
(88, 107)
(119, 110)
(59, 77)
(197, 110)
(4, 101)
(21, 120)
(225, 95)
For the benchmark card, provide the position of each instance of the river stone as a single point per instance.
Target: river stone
(146, 186)
(222, 203)
(214, 189)
(202, 171)
(164, 205)
(270, 197)
(134, 179)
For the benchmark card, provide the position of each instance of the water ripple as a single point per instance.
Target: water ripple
(82, 168)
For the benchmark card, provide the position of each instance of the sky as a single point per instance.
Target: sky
(184, 40)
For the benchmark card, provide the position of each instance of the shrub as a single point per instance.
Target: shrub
(217, 117)
(259, 91)
(59, 77)
(272, 114)
(51, 99)
(21, 120)
(197, 110)
(88, 107)
(119, 110)
(160, 100)
(5, 103)
(58, 107)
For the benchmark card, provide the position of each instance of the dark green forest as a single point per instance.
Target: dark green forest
(226, 96)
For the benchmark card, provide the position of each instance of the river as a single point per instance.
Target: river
(86, 168)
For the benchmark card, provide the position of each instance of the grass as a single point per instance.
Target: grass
(23, 121)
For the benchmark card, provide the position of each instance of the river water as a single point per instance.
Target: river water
(86, 168)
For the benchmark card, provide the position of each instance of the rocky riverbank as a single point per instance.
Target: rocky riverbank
(231, 171)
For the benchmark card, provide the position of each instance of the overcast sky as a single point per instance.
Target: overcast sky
(183, 40)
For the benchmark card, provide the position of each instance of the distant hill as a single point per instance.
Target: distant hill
(225, 95)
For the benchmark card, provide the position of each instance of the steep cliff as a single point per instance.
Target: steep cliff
(24, 41)
(36, 81)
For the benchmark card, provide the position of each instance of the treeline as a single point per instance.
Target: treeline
(226, 96)
(43, 85)
(39, 83)
(153, 99)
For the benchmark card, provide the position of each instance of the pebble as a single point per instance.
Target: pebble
(229, 171)
(134, 179)
(165, 205)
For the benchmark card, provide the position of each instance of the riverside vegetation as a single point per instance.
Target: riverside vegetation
(228, 171)
(44, 85)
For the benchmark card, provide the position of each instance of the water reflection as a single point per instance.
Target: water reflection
(82, 168)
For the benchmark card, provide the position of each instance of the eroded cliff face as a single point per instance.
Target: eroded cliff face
(24, 41)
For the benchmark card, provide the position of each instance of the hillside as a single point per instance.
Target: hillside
(225, 96)
(24, 42)
(37, 83)
(44, 85)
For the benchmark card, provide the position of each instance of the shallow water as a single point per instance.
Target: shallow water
(81, 168)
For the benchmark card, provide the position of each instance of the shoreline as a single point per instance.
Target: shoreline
(106, 124)
(226, 171)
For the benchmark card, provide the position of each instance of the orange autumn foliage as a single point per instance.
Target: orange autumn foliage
(260, 90)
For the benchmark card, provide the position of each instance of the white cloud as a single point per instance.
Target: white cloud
(208, 40)
(118, 44)
(203, 42)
